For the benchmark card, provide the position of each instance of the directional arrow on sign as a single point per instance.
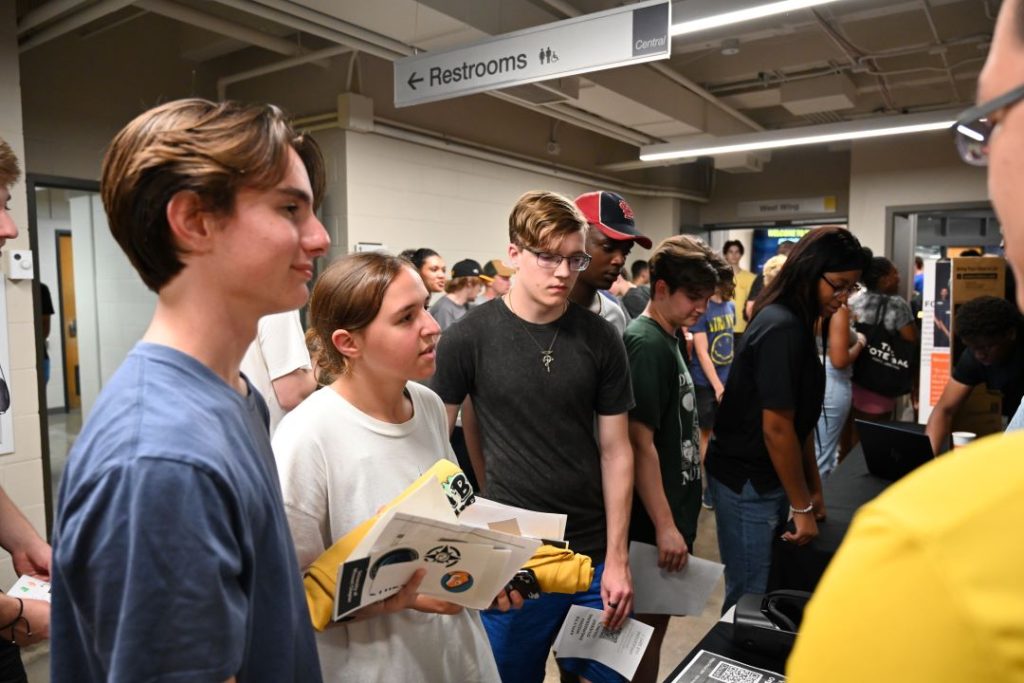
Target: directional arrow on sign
(413, 80)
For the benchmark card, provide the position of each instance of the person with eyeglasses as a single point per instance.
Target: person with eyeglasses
(880, 304)
(611, 237)
(550, 386)
(938, 555)
(761, 463)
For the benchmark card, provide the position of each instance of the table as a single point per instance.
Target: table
(849, 487)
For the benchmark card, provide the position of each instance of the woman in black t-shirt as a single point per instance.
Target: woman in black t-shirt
(760, 463)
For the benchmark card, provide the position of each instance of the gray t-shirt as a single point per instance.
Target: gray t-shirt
(172, 558)
(446, 311)
(537, 427)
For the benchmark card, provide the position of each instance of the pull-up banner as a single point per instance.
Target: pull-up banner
(603, 40)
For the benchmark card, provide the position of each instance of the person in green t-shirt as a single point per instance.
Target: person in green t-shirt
(663, 426)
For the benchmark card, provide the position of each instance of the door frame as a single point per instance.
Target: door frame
(32, 182)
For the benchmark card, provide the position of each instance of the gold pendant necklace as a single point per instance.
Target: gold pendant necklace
(547, 356)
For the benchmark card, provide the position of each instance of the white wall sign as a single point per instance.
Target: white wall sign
(603, 40)
(811, 206)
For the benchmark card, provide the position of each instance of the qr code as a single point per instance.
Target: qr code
(605, 634)
(727, 673)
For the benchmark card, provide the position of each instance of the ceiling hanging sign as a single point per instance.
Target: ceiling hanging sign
(604, 40)
(812, 206)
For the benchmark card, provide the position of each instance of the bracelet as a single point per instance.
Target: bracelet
(802, 511)
(14, 622)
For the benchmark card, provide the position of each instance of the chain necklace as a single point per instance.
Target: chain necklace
(547, 357)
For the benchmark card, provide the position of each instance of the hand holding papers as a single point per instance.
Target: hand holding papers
(582, 635)
(467, 560)
(685, 592)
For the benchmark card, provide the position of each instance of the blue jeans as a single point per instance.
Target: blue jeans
(747, 524)
(521, 639)
(834, 411)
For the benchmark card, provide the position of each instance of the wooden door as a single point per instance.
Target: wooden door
(69, 322)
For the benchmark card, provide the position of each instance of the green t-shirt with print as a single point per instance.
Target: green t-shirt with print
(665, 402)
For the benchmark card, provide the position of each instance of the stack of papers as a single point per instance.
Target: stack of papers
(468, 559)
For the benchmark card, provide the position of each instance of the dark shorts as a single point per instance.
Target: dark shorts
(707, 406)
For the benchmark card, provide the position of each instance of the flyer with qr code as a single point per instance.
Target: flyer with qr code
(582, 635)
(708, 667)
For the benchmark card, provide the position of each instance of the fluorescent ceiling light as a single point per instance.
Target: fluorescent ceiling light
(807, 135)
(741, 15)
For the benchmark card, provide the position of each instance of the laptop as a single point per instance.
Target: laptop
(893, 449)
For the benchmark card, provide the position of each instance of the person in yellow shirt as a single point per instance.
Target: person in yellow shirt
(733, 252)
(927, 585)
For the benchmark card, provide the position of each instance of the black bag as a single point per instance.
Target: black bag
(886, 365)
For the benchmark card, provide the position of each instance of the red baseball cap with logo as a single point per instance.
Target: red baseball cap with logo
(609, 213)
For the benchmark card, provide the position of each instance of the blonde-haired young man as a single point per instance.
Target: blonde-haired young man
(539, 369)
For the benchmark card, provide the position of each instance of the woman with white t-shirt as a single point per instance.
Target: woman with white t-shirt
(357, 443)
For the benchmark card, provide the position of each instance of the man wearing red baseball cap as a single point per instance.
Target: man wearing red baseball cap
(609, 241)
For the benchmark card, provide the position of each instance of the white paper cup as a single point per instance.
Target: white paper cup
(963, 438)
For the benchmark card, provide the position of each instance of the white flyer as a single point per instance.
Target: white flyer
(489, 514)
(584, 636)
(465, 565)
(685, 592)
(30, 587)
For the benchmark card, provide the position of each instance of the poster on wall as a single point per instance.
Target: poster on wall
(936, 320)
(6, 400)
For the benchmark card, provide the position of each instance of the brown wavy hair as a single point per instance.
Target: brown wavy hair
(211, 149)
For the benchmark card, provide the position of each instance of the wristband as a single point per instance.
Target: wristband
(802, 511)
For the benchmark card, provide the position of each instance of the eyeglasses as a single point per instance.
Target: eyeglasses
(551, 261)
(838, 291)
(973, 128)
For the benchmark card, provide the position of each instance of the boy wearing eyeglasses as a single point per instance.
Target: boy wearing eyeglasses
(541, 372)
(610, 238)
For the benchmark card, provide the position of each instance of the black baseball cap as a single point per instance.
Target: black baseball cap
(609, 213)
(466, 268)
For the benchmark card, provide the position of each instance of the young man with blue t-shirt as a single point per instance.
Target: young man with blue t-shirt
(172, 556)
(713, 344)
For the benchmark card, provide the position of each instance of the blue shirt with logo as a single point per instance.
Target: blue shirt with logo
(717, 322)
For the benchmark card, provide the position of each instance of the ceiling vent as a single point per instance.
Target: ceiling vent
(814, 95)
(547, 92)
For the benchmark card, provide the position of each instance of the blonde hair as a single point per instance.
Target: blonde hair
(9, 169)
(772, 267)
(348, 296)
(211, 149)
(539, 219)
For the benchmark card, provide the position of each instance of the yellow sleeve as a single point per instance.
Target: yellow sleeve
(883, 612)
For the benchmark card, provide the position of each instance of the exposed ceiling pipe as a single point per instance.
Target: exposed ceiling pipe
(568, 10)
(75, 21)
(405, 133)
(224, 27)
(332, 22)
(315, 56)
(942, 54)
(300, 24)
(45, 13)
